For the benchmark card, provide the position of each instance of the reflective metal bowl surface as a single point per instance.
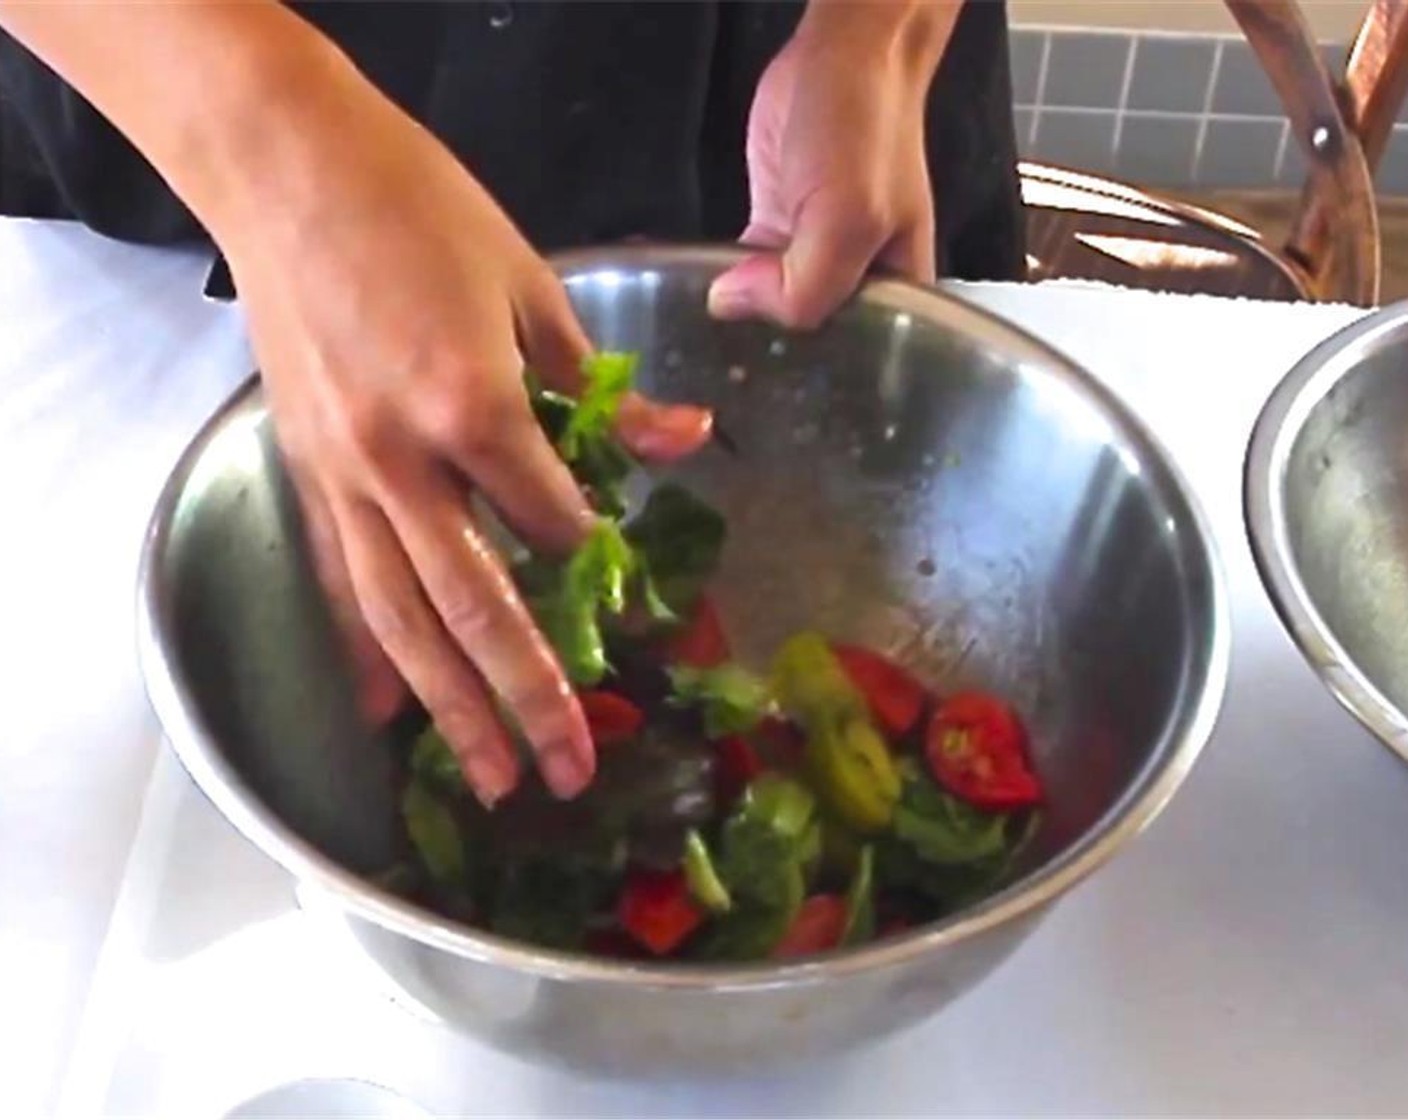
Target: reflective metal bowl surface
(1327, 514)
(918, 475)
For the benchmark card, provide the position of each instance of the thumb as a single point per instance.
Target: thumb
(831, 248)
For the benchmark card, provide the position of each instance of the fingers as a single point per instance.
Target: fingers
(555, 345)
(478, 418)
(551, 335)
(488, 624)
(406, 626)
(662, 434)
(379, 687)
(833, 243)
(823, 263)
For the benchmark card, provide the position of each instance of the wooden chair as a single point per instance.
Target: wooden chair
(1090, 227)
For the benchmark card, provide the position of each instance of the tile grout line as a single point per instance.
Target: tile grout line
(1163, 114)
(1206, 114)
(1123, 103)
(1039, 97)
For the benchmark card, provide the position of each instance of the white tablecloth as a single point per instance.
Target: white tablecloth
(108, 360)
(1248, 956)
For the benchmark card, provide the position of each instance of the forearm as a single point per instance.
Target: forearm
(913, 34)
(221, 97)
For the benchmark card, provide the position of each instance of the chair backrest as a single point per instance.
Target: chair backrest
(1342, 123)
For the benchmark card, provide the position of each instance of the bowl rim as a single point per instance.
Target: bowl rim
(1274, 435)
(1143, 799)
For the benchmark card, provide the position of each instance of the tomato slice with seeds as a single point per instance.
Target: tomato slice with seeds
(701, 642)
(819, 926)
(657, 910)
(896, 699)
(976, 748)
(610, 717)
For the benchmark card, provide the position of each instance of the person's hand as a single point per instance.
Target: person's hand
(392, 307)
(836, 163)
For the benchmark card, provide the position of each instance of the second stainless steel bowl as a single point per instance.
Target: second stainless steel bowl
(1327, 513)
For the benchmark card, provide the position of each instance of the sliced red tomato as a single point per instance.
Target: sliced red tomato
(611, 717)
(738, 764)
(818, 927)
(895, 697)
(657, 910)
(977, 750)
(701, 641)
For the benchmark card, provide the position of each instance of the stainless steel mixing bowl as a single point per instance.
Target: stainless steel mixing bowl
(918, 475)
(1327, 514)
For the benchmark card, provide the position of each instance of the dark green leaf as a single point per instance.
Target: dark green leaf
(751, 930)
(603, 468)
(552, 410)
(549, 902)
(435, 834)
(763, 853)
(925, 856)
(756, 863)
(943, 830)
(860, 901)
(731, 699)
(680, 538)
(433, 763)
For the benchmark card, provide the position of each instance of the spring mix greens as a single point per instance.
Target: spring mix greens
(829, 799)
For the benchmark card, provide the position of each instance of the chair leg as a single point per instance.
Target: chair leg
(1336, 236)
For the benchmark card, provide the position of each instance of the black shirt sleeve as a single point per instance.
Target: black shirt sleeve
(588, 121)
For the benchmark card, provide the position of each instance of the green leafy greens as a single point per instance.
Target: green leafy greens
(680, 539)
(569, 599)
(731, 699)
(944, 849)
(765, 848)
(860, 901)
(654, 566)
(433, 830)
(843, 813)
(582, 429)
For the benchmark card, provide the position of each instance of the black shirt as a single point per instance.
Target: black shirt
(588, 121)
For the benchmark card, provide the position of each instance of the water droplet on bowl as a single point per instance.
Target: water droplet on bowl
(926, 567)
(891, 430)
(777, 348)
(737, 374)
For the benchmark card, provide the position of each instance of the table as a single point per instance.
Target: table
(1249, 955)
